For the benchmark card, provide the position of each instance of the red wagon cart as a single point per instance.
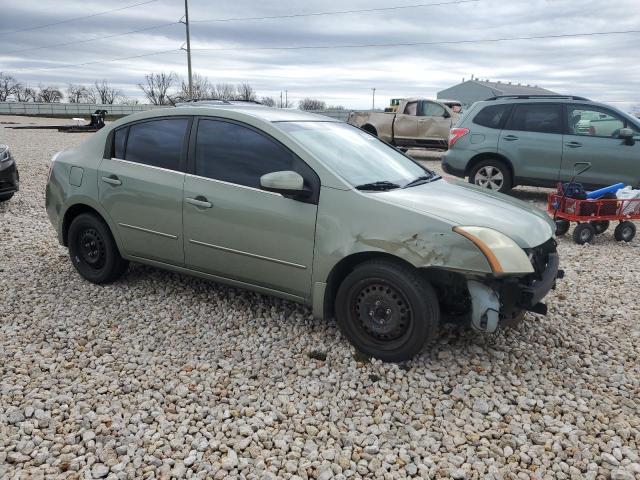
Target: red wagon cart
(593, 216)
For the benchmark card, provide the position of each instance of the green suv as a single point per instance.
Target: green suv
(536, 140)
(307, 208)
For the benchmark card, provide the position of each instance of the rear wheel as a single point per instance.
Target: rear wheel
(492, 174)
(600, 226)
(93, 250)
(625, 231)
(387, 310)
(583, 233)
(562, 226)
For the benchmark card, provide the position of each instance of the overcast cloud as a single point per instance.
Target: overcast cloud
(604, 68)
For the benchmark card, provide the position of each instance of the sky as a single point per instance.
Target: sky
(602, 67)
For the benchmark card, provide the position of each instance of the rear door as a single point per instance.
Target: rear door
(140, 187)
(234, 229)
(532, 141)
(405, 126)
(592, 136)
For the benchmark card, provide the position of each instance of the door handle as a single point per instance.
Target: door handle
(112, 180)
(510, 138)
(199, 201)
(573, 144)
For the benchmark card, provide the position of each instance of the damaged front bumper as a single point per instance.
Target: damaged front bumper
(503, 299)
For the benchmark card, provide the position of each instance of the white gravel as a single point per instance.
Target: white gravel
(161, 375)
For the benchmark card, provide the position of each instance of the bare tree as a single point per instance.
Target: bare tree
(8, 86)
(79, 94)
(24, 93)
(336, 107)
(311, 104)
(245, 92)
(49, 94)
(105, 93)
(200, 89)
(157, 87)
(268, 101)
(224, 91)
(130, 101)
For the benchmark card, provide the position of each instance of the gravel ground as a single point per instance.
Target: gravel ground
(161, 375)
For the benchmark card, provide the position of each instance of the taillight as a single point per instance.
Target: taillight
(456, 134)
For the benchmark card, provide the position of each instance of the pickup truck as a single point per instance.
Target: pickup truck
(417, 122)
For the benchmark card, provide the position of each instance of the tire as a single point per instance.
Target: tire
(600, 226)
(492, 174)
(403, 149)
(583, 233)
(387, 310)
(514, 321)
(370, 129)
(93, 250)
(6, 196)
(625, 231)
(562, 226)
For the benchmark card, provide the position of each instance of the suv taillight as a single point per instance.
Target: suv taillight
(456, 134)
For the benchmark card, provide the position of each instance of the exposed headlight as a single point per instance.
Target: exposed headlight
(5, 154)
(503, 254)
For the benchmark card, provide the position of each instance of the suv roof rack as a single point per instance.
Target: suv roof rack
(572, 97)
(217, 101)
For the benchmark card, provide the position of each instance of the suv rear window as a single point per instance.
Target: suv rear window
(492, 116)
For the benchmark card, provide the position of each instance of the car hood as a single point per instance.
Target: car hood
(463, 204)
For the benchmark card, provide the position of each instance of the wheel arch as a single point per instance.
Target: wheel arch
(367, 127)
(345, 266)
(480, 157)
(77, 209)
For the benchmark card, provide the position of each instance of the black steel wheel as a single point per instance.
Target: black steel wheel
(562, 226)
(387, 310)
(600, 226)
(625, 231)
(583, 233)
(93, 250)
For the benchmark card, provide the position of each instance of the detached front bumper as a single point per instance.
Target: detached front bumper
(9, 177)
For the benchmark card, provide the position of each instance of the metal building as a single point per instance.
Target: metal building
(474, 90)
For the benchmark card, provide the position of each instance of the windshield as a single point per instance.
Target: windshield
(355, 155)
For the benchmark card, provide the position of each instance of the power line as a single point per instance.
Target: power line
(74, 19)
(339, 12)
(97, 61)
(415, 44)
(90, 39)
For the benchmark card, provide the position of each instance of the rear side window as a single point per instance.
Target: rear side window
(119, 139)
(237, 154)
(492, 116)
(537, 117)
(158, 143)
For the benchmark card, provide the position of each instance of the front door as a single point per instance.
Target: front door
(532, 141)
(592, 136)
(141, 188)
(434, 122)
(234, 229)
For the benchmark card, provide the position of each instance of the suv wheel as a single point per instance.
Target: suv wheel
(387, 310)
(93, 250)
(492, 174)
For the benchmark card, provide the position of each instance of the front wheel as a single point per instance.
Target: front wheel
(625, 231)
(93, 250)
(493, 175)
(387, 310)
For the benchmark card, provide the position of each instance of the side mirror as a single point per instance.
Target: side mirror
(287, 183)
(627, 135)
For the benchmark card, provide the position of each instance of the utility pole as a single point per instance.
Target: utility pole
(280, 98)
(373, 101)
(186, 24)
(286, 98)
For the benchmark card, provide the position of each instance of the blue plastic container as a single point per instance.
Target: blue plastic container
(603, 191)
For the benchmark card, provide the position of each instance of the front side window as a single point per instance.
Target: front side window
(158, 143)
(355, 155)
(537, 117)
(411, 108)
(237, 154)
(593, 121)
(430, 109)
(492, 116)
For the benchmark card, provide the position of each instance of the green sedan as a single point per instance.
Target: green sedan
(309, 209)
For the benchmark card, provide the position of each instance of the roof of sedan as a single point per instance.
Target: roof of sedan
(265, 113)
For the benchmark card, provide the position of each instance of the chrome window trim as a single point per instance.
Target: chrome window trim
(247, 254)
(148, 166)
(215, 180)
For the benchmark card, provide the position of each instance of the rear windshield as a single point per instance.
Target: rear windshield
(492, 116)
